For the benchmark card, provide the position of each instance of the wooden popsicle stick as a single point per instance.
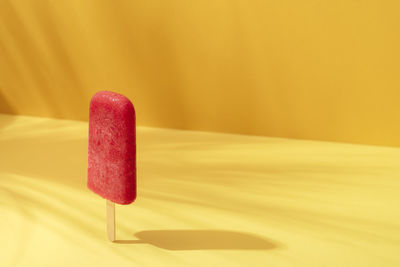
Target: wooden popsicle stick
(110, 207)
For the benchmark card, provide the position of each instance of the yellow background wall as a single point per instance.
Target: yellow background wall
(311, 69)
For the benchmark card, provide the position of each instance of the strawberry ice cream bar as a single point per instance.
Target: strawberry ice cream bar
(112, 148)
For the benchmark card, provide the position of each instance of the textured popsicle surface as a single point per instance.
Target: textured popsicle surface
(112, 147)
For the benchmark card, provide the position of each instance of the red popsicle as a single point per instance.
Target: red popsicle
(112, 148)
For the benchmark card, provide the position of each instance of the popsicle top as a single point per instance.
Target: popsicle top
(112, 147)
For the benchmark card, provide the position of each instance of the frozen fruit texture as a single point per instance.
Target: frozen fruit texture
(112, 147)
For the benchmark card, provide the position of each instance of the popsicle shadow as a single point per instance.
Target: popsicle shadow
(201, 240)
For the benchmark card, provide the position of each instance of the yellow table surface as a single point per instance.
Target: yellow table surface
(204, 199)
